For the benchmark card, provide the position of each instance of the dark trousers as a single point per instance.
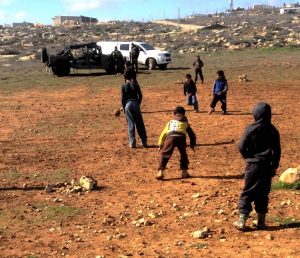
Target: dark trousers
(258, 177)
(167, 150)
(135, 65)
(192, 101)
(119, 66)
(134, 119)
(198, 71)
(216, 99)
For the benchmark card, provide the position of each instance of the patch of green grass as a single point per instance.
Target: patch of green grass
(279, 49)
(285, 186)
(286, 222)
(58, 175)
(11, 175)
(60, 212)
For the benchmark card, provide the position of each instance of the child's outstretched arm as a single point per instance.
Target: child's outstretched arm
(192, 137)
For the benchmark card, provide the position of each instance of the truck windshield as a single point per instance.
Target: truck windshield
(147, 47)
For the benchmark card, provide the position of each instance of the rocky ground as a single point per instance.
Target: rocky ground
(243, 29)
(56, 129)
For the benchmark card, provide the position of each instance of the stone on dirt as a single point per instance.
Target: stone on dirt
(290, 176)
(200, 234)
(243, 78)
(88, 183)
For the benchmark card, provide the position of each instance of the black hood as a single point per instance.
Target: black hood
(262, 112)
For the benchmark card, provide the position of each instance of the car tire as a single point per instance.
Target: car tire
(151, 64)
(61, 68)
(110, 68)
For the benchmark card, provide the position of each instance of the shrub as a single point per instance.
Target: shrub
(280, 185)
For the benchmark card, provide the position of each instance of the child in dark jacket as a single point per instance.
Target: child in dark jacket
(260, 147)
(219, 92)
(190, 90)
(174, 135)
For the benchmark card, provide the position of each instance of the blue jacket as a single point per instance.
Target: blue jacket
(220, 86)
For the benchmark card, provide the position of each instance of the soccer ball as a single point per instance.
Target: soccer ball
(117, 112)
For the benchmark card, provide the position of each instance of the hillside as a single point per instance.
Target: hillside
(244, 29)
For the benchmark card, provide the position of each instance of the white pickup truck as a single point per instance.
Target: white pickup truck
(149, 56)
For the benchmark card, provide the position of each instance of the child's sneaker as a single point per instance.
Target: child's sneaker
(185, 174)
(160, 175)
(196, 111)
(241, 223)
(211, 111)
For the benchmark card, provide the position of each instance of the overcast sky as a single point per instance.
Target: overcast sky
(44, 10)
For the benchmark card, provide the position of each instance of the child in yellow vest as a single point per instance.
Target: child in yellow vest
(174, 135)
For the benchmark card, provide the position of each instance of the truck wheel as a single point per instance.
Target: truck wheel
(151, 63)
(163, 67)
(61, 68)
(110, 68)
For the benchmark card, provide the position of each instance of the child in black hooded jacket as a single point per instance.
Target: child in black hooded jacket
(260, 147)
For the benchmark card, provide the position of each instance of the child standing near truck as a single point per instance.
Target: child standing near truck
(174, 135)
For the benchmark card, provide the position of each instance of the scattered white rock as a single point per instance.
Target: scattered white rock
(200, 234)
(196, 195)
(290, 176)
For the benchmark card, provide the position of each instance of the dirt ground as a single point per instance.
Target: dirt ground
(56, 129)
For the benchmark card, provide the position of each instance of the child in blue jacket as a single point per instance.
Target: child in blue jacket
(219, 92)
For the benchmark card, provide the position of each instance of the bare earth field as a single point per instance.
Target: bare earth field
(56, 129)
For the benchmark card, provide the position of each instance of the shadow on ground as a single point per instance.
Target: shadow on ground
(226, 177)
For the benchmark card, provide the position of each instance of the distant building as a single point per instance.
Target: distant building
(292, 5)
(59, 20)
(22, 24)
(262, 7)
(289, 10)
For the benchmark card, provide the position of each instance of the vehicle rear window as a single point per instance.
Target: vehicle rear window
(124, 47)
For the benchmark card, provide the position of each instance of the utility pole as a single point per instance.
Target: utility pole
(178, 21)
(231, 5)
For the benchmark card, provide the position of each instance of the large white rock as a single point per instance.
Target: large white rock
(290, 176)
(27, 58)
(88, 183)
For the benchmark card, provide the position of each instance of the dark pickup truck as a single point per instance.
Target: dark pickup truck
(81, 56)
